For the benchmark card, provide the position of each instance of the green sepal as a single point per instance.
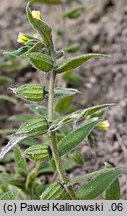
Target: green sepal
(40, 153)
(31, 92)
(55, 191)
(33, 127)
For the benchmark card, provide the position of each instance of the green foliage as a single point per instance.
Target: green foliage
(41, 27)
(20, 161)
(75, 12)
(74, 138)
(113, 191)
(61, 134)
(72, 63)
(40, 61)
(98, 185)
(60, 92)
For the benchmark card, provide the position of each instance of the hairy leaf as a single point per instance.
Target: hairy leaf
(61, 92)
(74, 62)
(113, 191)
(20, 161)
(41, 27)
(73, 139)
(40, 61)
(98, 185)
(19, 52)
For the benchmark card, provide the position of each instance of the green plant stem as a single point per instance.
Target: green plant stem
(56, 155)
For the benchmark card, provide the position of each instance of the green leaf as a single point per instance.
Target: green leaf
(47, 1)
(8, 158)
(38, 109)
(10, 195)
(20, 117)
(77, 157)
(29, 141)
(33, 127)
(73, 78)
(19, 52)
(73, 139)
(61, 92)
(7, 131)
(40, 61)
(7, 179)
(98, 185)
(77, 115)
(4, 98)
(30, 178)
(55, 191)
(71, 48)
(20, 161)
(74, 62)
(113, 191)
(75, 12)
(65, 129)
(4, 80)
(41, 27)
(64, 105)
(88, 176)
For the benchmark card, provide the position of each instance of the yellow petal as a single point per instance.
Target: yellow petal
(21, 41)
(36, 14)
(104, 125)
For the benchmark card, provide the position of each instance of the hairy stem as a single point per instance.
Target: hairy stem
(56, 155)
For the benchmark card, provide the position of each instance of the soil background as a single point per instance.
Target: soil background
(101, 28)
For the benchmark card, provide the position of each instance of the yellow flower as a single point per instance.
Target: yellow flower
(104, 125)
(36, 14)
(22, 38)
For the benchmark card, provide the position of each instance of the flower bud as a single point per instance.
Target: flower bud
(33, 127)
(31, 92)
(40, 153)
(22, 38)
